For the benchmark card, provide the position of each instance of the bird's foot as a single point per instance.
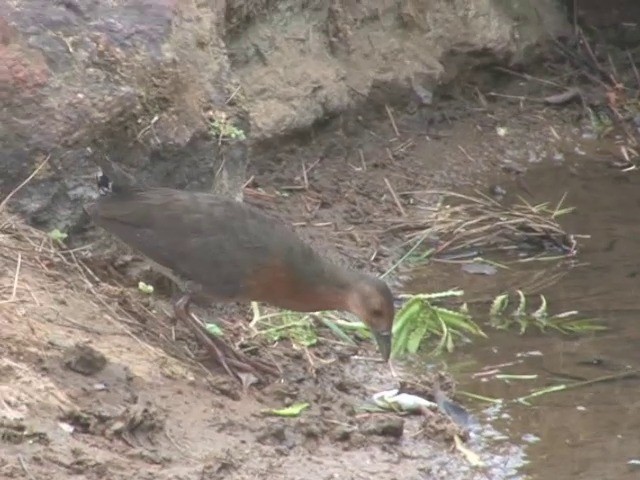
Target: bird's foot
(229, 358)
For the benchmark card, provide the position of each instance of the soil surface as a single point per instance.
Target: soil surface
(98, 383)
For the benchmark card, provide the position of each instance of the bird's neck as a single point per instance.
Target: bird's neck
(331, 291)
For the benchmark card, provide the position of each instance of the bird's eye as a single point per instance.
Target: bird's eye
(376, 313)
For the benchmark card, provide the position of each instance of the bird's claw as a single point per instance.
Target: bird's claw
(230, 359)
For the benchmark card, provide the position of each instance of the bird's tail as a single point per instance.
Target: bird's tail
(111, 178)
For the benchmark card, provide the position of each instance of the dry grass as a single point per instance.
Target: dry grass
(50, 292)
(464, 224)
(44, 275)
(50, 300)
(480, 222)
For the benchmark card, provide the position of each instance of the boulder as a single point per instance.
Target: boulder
(140, 81)
(178, 92)
(299, 63)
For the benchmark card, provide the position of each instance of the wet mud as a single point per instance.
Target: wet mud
(589, 432)
(96, 381)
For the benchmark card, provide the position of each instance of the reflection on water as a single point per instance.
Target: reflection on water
(590, 432)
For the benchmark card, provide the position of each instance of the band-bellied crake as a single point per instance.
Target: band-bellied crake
(233, 252)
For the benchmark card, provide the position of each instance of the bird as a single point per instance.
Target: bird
(233, 252)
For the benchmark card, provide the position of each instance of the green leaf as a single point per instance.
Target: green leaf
(522, 306)
(522, 321)
(541, 312)
(214, 330)
(57, 235)
(303, 335)
(415, 338)
(291, 411)
(405, 322)
(459, 321)
(499, 304)
(337, 331)
(444, 335)
(145, 288)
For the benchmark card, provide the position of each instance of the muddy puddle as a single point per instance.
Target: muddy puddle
(590, 432)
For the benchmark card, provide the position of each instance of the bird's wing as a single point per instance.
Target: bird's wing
(215, 242)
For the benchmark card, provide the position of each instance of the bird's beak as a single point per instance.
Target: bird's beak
(383, 339)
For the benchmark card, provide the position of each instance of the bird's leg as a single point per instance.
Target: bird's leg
(230, 359)
(181, 309)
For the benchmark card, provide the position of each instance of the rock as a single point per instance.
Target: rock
(338, 55)
(384, 427)
(313, 431)
(342, 433)
(84, 359)
(134, 81)
(479, 268)
(150, 84)
(278, 433)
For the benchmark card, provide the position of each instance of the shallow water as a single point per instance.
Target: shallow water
(591, 432)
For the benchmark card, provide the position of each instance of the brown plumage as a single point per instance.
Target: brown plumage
(232, 252)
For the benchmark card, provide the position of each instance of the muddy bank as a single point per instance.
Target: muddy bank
(152, 408)
(148, 406)
(588, 432)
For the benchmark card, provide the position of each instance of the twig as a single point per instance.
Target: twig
(403, 258)
(248, 182)
(564, 387)
(33, 295)
(221, 167)
(481, 98)
(392, 120)
(235, 92)
(364, 358)
(252, 192)
(79, 249)
(27, 180)
(395, 198)
(24, 467)
(82, 267)
(153, 121)
(466, 154)
(614, 72)
(15, 279)
(403, 146)
(175, 444)
(305, 179)
(514, 97)
(312, 365)
(526, 76)
(634, 68)
(364, 164)
(313, 165)
(592, 55)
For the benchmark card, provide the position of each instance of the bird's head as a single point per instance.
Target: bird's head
(371, 300)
